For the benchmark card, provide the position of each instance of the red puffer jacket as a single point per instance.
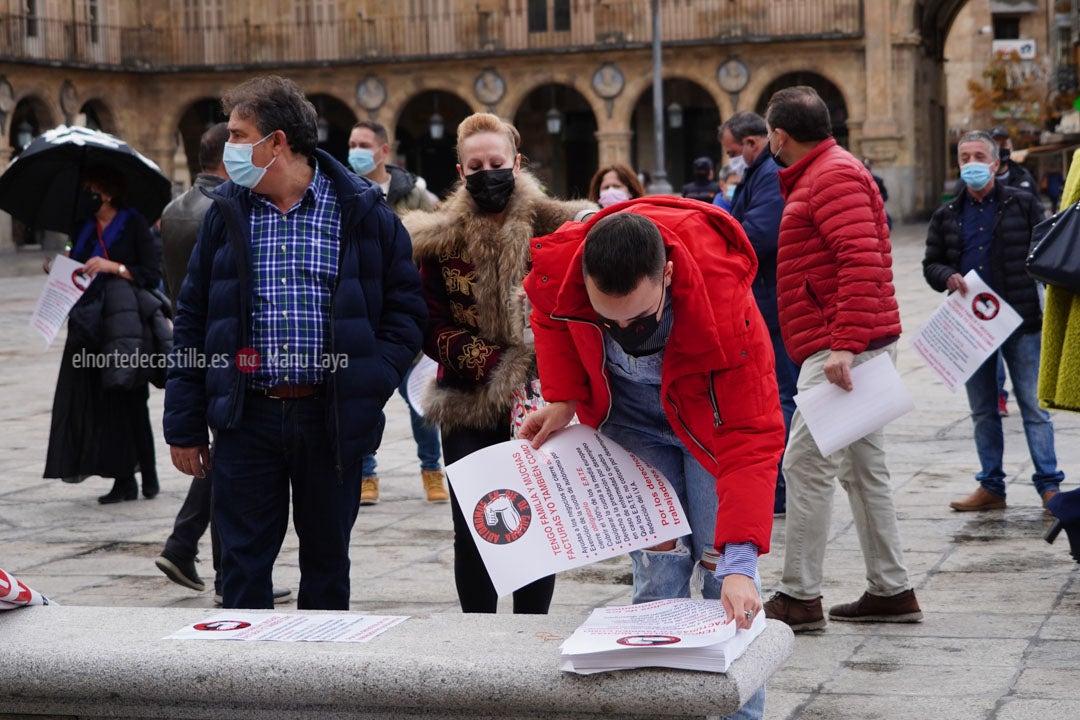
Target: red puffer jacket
(718, 385)
(834, 263)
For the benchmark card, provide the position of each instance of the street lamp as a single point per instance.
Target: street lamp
(554, 120)
(322, 130)
(436, 126)
(24, 133)
(659, 184)
(674, 115)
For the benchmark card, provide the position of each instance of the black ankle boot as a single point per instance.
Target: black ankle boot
(1072, 531)
(124, 488)
(149, 487)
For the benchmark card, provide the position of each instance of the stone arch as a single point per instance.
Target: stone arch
(98, 116)
(195, 118)
(832, 95)
(695, 137)
(565, 160)
(335, 120)
(414, 144)
(35, 112)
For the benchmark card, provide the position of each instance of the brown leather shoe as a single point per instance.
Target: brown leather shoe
(901, 608)
(800, 615)
(981, 499)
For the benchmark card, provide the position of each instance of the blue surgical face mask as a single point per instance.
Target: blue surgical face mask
(361, 160)
(237, 159)
(975, 175)
(729, 193)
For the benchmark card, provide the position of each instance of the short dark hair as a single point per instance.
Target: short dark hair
(276, 103)
(621, 250)
(376, 127)
(744, 124)
(801, 113)
(212, 146)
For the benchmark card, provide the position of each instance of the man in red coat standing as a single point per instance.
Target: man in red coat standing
(837, 310)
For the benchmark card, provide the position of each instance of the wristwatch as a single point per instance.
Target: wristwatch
(121, 270)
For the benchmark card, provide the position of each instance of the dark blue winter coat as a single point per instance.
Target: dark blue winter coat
(758, 206)
(377, 319)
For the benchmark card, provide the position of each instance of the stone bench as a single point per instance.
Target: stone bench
(95, 662)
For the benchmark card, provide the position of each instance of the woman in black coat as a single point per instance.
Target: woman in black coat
(100, 420)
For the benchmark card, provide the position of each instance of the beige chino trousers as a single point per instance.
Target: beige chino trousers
(861, 470)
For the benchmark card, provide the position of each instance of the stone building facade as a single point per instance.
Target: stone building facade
(152, 72)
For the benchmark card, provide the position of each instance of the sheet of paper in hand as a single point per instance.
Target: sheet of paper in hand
(689, 634)
(63, 288)
(578, 499)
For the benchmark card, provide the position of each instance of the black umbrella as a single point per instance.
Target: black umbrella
(41, 186)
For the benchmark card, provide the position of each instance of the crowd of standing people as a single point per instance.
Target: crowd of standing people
(682, 328)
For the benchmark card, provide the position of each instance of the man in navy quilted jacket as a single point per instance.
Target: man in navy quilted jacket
(300, 314)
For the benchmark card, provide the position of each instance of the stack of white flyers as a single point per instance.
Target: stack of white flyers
(687, 634)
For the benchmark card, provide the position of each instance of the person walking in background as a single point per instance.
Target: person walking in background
(988, 229)
(837, 310)
(473, 254)
(613, 184)
(180, 223)
(100, 419)
(319, 325)
(703, 187)
(758, 206)
(369, 149)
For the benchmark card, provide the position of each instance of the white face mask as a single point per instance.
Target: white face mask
(737, 164)
(612, 196)
(238, 164)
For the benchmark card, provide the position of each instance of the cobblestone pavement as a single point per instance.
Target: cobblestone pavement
(1001, 637)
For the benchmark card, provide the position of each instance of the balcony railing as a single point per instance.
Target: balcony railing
(599, 24)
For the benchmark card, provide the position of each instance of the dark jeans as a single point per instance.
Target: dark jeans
(475, 591)
(190, 525)
(278, 447)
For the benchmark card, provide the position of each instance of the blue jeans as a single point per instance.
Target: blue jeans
(426, 436)
(1021, 353)
(282, 448)
(637, 422)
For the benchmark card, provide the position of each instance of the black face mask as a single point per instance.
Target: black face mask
(1003, 155)
(491, 189)
(637, 331)
(88, 203)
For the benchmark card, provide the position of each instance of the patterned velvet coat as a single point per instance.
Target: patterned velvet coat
(472, 268)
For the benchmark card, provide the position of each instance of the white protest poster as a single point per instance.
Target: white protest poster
(836, 417)
(63, 288)
(578, 499)
(421, 374)
(240, 625)
(964, 331)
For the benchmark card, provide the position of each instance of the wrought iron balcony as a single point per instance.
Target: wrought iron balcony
(390, 37)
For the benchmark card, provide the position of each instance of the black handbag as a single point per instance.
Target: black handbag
(1055, 250)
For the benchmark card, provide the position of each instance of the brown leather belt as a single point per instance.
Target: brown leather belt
(293, 392)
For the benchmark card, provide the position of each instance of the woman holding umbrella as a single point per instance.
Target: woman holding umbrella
(100, 420)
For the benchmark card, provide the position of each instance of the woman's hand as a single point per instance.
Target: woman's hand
(96, 265)
(546, 420)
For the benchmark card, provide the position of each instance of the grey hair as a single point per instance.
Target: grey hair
(980, 136)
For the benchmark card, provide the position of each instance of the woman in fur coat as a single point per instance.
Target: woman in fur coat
(473, 254)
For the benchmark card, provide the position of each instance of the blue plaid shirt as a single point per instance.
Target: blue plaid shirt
(295, 260)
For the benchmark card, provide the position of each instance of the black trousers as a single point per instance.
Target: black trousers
(191, 523)
(475, 591)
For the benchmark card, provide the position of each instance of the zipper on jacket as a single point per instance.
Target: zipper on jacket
(603, 362)
(717, 421)
(687, 428)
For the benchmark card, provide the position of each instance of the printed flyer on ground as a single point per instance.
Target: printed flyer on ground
(240, 625)
(577, 499)
(964, 331)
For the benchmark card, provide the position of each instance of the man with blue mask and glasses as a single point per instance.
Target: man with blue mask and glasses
(369, 147)
(300, 313)
(987, 228)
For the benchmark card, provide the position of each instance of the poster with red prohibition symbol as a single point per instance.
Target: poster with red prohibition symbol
(578, 499)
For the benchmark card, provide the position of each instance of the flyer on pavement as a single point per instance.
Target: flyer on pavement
(964, 331)
(14, 594)
(578, 499)
(63, 288)
(836, 417)
(240, 625)
(689, 634)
